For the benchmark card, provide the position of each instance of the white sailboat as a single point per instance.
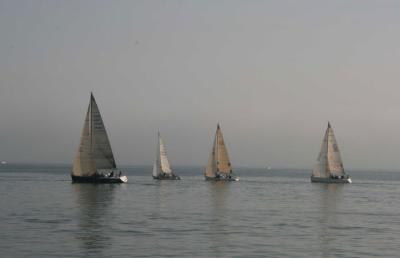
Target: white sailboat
(161, 168)
(219, 167)
(329, 167)
(94, 161)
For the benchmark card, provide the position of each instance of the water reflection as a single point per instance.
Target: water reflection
(161, 194)
(219, 222)
(157, 216)
(93, 202)
(330, 198)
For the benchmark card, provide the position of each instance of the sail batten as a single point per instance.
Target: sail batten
(94, 151)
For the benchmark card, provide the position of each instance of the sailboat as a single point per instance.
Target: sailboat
(329, 167)
(161, 168)
(94, 161)
(219, 167)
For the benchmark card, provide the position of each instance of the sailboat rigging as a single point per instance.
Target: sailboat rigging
(161, 168)
(219, 166)
(94, 161)
(329, 167)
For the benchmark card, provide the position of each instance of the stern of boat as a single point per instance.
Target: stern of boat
(123, 179)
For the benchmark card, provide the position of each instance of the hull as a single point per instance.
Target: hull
(99, 180)
(232, 178)
(331, 180)
(169, 177)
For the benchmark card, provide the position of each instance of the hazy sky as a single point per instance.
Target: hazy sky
(271, 72)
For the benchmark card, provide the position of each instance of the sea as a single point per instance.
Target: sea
(268, 213)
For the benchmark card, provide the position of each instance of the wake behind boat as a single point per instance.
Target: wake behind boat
(94, 161)
(219, 167)
(329, 168)
(161, 168)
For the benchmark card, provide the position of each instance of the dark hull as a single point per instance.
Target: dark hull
(222, 179)
(173, 177)
(330, 180)
(96, 180)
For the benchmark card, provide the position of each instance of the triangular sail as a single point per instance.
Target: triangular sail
(94, 150)
(84, 164)
(211, 168)
(320, 169)
(219, 159)
(334, 161)
(329, 160)
(103, 155)
(155, 169)
(223, 163)
(163, 160)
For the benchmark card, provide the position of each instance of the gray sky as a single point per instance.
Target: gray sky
(271, 72)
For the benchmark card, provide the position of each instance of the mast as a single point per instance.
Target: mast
(216, 148)
(91, 122)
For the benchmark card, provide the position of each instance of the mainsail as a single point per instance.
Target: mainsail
(211, 168)
(219, 159)
(329, 162)
(94, 150)
(161, 163)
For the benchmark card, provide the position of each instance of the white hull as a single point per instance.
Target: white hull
(124, 179)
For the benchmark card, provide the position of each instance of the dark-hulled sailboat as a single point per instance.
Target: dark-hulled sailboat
(161, 168)
(219, 167)
(94, 161)
(329, 167)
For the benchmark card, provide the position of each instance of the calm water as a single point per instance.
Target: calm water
(266, 214)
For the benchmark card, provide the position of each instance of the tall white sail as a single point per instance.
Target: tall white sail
(164, 163)
(219, 159)
(161, 164)
(94, 150)
(329, 162)
(155, 169)
(320, 169)
(84, 163)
